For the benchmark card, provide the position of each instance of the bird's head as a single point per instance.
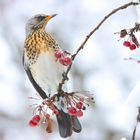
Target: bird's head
(37, 22)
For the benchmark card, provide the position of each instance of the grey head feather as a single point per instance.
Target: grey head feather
(34, 23)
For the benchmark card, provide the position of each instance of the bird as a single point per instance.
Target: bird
(42, 69)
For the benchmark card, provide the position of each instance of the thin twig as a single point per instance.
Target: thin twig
(134, 133)
(65, 75)
(135, 129)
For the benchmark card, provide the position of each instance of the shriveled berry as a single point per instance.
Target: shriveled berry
(72, 111)
(79, 113)
(123, 33)
(32, 123)
(79, 105)
(126, 43)
(58, 54)
(84, 108)
(49, 127)
(132, 47)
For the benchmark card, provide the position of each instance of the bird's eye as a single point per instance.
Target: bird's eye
(40, 18)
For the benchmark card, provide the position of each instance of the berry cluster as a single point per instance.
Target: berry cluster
(132, 42)
(76, 111)
(63, 58)
(74, 104)
(130, 45)
(41, 115)
(35, 120)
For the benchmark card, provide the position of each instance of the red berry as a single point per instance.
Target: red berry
(126, 43)
(36, 118)
(58, 54)
(132, 47)
(55, 111)
(79, 105)
(32, 123)
(65, 61)
(79, 113)
(62, 61)
(72, 111)
(68, 61)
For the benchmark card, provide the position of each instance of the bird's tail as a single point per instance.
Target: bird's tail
(67, 124)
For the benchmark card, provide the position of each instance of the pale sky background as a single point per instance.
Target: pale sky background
(99, 68)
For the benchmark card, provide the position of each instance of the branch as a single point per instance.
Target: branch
(65, 75)
(138, 120)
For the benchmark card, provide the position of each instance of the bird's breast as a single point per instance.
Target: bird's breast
(47, 72)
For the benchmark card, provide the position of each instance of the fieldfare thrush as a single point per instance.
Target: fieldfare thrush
(44, 72)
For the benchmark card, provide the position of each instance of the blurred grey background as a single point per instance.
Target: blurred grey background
(99, 68)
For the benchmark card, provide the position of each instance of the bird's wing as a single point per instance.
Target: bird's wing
(34, 83)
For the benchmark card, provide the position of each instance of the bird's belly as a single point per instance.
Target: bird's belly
(47, 72)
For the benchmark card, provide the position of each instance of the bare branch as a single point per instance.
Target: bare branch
(65, 75)
(138, 120)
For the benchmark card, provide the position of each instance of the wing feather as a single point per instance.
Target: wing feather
(34, 83)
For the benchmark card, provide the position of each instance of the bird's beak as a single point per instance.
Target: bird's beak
(48, 17)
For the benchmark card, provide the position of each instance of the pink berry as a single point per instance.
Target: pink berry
(72, 111)
(65, 61)
(58, 54)
(132, 47)
(68, 61)
(126, 43)
(79, 113)
(79, 105)
(62, 61)
(32, 123)
(36, 118)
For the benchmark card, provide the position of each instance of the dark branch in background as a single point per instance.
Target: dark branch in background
(138, 120)
(65, 75)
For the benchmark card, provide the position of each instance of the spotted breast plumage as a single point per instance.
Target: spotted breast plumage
(42, 68)
(39, 52)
